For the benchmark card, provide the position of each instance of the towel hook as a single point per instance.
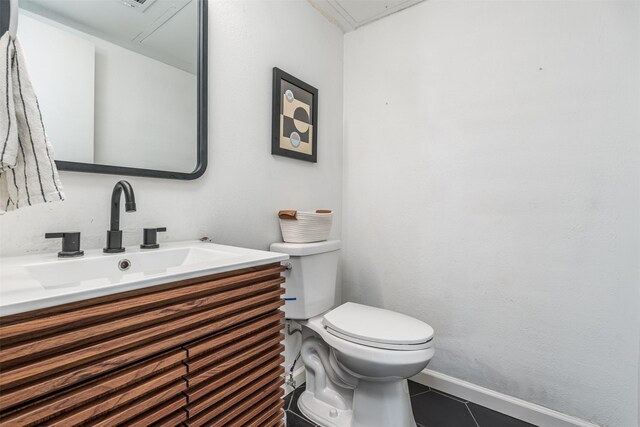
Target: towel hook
(13, 18)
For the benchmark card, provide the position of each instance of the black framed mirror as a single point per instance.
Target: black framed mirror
(125, 90)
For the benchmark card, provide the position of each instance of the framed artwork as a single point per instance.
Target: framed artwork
(295, 118)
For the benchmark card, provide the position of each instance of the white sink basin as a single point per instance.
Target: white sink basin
(38, 281)
(114, 268)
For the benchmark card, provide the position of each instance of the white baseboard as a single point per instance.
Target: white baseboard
(509, 405)
(512, 406)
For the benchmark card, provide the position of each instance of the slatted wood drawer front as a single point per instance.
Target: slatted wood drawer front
(243, 411)
(144, 414)
(230, 368)
(129, 359)
(177, 315)
(277, 420)
(226, 397)
(59, 318)
(174, 328)
(237, 390)
(87, 414)
(133, 380)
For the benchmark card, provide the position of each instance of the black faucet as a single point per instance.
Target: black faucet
(114, 235)
(70, 243)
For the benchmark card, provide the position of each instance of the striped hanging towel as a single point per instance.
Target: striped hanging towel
(28, 174)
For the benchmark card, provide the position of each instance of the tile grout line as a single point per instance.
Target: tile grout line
(466, 405)
(457, 399)
(419, 394)
(298, 416)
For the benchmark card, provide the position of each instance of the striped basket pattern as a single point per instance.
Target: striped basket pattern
(308, 227)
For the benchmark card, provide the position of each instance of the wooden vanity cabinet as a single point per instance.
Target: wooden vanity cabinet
(199, 352)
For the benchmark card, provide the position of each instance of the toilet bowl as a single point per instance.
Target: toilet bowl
(370, 381)
(357, 358)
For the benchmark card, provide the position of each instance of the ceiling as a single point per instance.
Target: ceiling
(350, 15)
(165, 30)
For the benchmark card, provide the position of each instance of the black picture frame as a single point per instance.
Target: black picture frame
(202, 118)
(280, 76)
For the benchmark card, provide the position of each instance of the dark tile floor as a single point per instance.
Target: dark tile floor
(431, 408)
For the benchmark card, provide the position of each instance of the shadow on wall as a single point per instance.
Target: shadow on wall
(373, 285)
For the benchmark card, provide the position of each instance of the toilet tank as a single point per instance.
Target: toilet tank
(311, 281)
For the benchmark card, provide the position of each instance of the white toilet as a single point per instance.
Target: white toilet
(357, 358)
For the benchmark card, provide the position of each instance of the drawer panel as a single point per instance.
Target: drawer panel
(244, 410)
(237, 390)
(77, 374)
(276, 420)
(271, 402)
(178, 418)
(212, 365)
(271, 413)
(172, 333)
(206, 345)
(93, 390)
(54, 320)
(210, 382)
(190, 311)
(146, 412)
(37, 348)
(154, 391)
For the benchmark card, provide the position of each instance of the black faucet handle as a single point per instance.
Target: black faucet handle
(70, 243)
(150, 237)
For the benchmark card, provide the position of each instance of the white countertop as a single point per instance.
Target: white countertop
(22, 290)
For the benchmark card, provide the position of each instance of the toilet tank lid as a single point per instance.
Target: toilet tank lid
(302, 249)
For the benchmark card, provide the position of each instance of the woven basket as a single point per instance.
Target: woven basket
(308, 227)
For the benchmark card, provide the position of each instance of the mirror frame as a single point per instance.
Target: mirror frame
(202, 119)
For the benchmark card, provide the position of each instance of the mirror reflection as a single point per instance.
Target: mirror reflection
(116, 79)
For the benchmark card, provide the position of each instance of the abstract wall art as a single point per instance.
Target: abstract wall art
(295, 118)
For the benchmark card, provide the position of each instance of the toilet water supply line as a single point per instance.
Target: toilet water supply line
(290, 380)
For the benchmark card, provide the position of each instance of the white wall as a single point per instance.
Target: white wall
(237, 199)
(55, 55)
(491, 189)
(146, 111)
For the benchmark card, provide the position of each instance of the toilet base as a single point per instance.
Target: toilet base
(374, 405)
(382, 404)
(322, 413)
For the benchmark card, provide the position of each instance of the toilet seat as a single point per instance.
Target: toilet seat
(378, 328)
(381, 363)
(382, 346)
